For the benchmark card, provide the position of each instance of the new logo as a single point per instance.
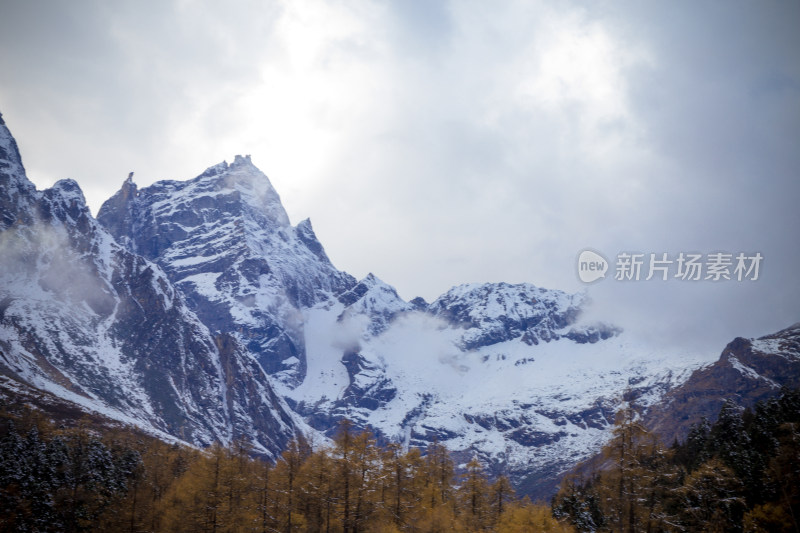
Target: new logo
(591, 266)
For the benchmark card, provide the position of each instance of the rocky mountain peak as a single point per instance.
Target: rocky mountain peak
(69, 190)
(16, 192)
(496, 312)
(225, 240)
(260, 200)
(375, 301)
(90, 321)
(240, 160)
(306, 234)
(10, 160)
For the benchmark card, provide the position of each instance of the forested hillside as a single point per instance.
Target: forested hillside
(73, 479)
(741, 473)
(738, 474)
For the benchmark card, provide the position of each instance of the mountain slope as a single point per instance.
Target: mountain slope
(505, 371)
(86, 319)
(747, 371)
(225, 241)
(185, 302)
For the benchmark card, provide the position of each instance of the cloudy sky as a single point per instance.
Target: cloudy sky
(438, 143)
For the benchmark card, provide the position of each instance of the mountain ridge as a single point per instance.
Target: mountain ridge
(88, 320)
(212, 234)
(340, 348)
(747, 371)
(196, 307)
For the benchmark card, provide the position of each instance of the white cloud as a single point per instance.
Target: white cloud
(434, 145)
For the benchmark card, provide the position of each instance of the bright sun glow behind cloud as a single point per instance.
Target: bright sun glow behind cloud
(578, 68)
(436, 143)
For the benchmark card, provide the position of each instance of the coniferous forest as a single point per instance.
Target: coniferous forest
(741, 473)
(55, 479)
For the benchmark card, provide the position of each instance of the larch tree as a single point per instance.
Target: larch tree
(473, 494)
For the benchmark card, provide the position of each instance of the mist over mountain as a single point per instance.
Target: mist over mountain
(196, 310)
(84, 318)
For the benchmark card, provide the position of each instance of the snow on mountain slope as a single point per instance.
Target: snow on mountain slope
(225, 241)
(507, 371)
(504, 371)
(747, 371)
(86, 319)
(375, 302)
(495, 312)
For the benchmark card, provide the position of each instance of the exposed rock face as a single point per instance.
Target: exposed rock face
(15, 193)
(504, 371)
(748, 371)
(497, 312)
(186, 302)
(85, 318)
(375, 303)
(225, 241)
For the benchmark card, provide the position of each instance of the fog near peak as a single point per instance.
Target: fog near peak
(441, 145)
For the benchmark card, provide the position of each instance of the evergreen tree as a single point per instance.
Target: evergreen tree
(695, 450)
(782, 512)
(12, 476)
(579, 504)
(712, 499)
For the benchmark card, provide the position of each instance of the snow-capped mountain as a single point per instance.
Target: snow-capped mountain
(493, 313)
(196, 308)
(225, 241)
(505, 371)
(85, 318)
(747, 371)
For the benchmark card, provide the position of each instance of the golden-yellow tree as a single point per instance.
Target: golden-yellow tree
(474, 496)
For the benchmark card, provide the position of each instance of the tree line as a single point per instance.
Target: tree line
(739, 474)
(59, 479)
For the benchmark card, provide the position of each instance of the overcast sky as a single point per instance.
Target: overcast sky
(438, 143)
